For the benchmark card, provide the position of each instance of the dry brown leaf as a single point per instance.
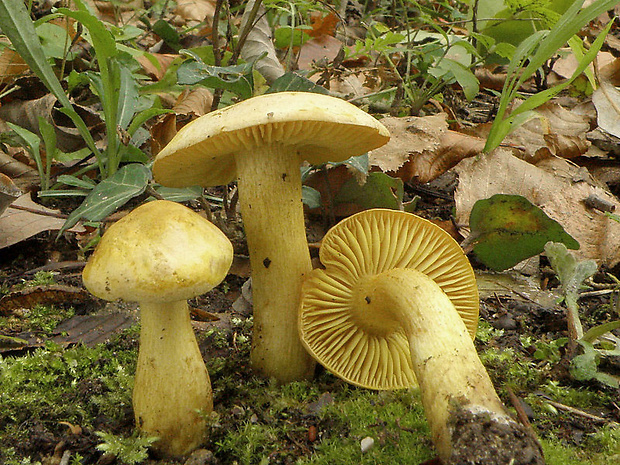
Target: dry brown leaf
(323, 25)
(556, 186)
(190, 105)
(422, 147)
(26, 114)
(258, 41)
(195, 103)
(196, 11)
(606, 99)
(9, 192)
(321, 49)
(11, 65)
(20, 173)
(156, 64)
(556, 132)
(18, 225)
(41, 295)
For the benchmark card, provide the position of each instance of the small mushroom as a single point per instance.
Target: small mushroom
(160, 255)
(262, 142)
(397, 302)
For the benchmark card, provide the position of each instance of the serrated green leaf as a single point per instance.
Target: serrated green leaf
(110, 194)
(379, 191)
(507, 229)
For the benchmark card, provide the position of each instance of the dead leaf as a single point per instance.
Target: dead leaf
(606, 99)
(42, 295)
(18, 225)
(156, 64)
(11, 65)
(323, 25)
(320, 49)
(556, 132)
(20, 173)
(556, 186)
(190, 105)
(259, 41)
(89, 330)
(422, 147)
(196, 11)
(9, 192)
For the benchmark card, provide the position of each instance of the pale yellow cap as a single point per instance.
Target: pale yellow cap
(160, 252)
(319, 128)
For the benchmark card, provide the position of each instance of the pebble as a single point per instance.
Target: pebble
(367, 443)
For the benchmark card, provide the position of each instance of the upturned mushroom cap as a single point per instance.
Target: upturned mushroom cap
(367, 350)
(160, 252)
(321, 129)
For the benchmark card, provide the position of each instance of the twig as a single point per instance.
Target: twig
(581, 413)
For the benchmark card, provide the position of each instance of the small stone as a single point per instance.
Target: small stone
(201, 457)
(367, 443)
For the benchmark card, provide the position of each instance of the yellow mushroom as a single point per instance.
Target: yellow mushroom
(160, 255)
(397, 303)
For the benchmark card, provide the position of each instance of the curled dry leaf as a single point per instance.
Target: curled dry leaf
(423, 148)
(259, 41)
(22, 175)
(156, 64)
(190, 105)
(9, 192)
(556, 186)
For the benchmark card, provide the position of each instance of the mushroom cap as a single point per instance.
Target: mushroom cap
(319, 127)
(160, 252)
(362, 246)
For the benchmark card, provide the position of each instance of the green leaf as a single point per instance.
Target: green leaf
(466, 79)
(379, 191)
(571, 273)
(507, 229)
(168, 33)
(32, 142)
(311, 197)
(179, 194)
(293, 82)
(238, 79)
(110, 194)
(48, 134)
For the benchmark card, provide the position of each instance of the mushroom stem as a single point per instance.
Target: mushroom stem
(273, 219)
(173, 411)
(465, 415)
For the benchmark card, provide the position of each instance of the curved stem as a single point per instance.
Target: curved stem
(273, 219)
(172, 384)
(457, 393)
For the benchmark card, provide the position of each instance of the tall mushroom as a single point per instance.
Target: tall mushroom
(262, 141)
(397, 302)
(160, 255)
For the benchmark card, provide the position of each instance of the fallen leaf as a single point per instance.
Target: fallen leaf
(156, 64)
(42, 295)
(9, 192)
(323, 25)
(422, 148)
(18, 225)
(258, 42)
(606, 99)
(195, 11)
(22, 175)
(320, 49)
(507, 229)
(554, 185)
(11, 65)
(556, 132)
